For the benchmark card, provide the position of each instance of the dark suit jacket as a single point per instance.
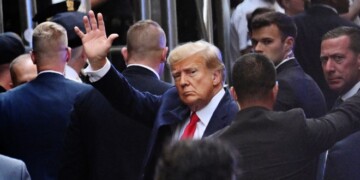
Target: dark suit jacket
(343, 160)
(162, 113)
(101, 143)
(311, 26)
(33, 120)
(298, 90)
(283, 145)
(144, 80)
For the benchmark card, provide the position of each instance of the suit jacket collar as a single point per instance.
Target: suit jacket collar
(286, 65)
(179, 114)
(136, 70)
(48, 75)
(248, 114)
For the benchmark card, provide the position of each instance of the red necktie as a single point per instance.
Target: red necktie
(191, 127)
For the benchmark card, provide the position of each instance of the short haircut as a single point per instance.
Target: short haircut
(49, 37)
(145, 36)
(253, 77)
(257, 12)
(197, 160)
(284, 22)
(208, 51)
(351, 32)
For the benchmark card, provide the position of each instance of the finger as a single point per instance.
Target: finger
(101, 22)
(112, 37)
(86, 24)
(79, 32)
(93, 21)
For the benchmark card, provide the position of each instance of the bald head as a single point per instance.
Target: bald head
(22, 70)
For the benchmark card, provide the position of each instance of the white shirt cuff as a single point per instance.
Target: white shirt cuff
(98, 74)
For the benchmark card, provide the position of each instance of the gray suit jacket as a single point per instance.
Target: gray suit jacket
(13, 169)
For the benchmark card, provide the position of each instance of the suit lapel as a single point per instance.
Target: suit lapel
(220, 117)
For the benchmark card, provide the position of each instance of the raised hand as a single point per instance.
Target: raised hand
(95, 42)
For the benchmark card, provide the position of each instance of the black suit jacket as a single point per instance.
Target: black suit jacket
(144, 80)
(102, 143)
(33, 120)
(298, 90)
(311, 26)
(161, 113)
(283, 145)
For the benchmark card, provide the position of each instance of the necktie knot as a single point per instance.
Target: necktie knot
(191, 127)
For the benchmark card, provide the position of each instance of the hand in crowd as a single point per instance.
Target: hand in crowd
(95, 42)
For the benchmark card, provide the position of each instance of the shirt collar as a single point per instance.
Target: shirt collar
(351, 92)
(50, 71)
(146, 67)
(289, 57)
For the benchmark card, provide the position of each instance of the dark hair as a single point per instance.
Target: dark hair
(284, 22)
(253, 76)
(197, 160)
(257, 12)
(351, 32)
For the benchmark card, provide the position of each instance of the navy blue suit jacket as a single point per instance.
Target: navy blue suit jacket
(162, 113)
(33, 120)
(311, 26)
(144, 80)
(298, 90)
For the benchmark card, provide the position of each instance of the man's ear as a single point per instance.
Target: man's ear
(216, 77)
(275, 91)
(164, 54)
(68, 54)
(289, 43)
(233, 93)
(125, 54)
(33, 58)
(358, 61)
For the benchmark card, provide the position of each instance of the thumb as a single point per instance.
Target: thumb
(112, 37)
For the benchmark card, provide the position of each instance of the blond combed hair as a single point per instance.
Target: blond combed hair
(208, 51)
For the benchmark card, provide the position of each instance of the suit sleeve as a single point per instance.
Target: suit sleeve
(126, 99)
(334, 126)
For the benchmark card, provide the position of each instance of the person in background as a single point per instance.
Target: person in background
(312, 24)
(35, 115)
(198, 160)
(293, 7)
(340, 60)
(11, 47)
(75, 65)
(273, 34)
(145, 57)
(196, 107)
(239, 33)
(279, 145)
(22, 70)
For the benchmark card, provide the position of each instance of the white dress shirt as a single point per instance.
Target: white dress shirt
(204, 115)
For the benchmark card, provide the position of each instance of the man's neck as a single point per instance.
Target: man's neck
(260, 103)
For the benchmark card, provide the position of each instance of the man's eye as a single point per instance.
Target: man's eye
(266, 41)
(337, 58)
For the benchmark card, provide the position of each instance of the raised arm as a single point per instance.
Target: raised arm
(95, 42)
